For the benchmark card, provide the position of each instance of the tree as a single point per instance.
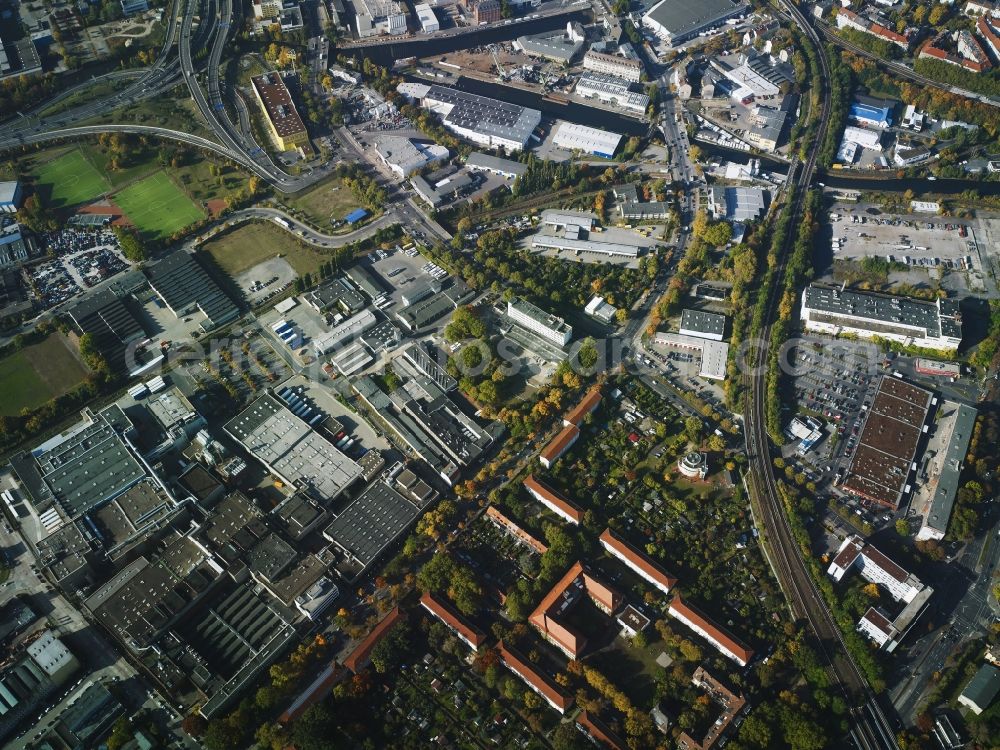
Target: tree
(902, 527)
(588, 354)
(389, 651)
(692, 429)
(937, 14)
(316, 729)
(131, 245)
(487, 392)
(566, 736)
(121, 733)
(717, 234)
(194, 725)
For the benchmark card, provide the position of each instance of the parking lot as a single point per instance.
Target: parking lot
(83, 259)
(266, 279)
(918, 241)
(682, 368)
(834, 383)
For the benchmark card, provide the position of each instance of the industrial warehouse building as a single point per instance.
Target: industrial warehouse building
(587, 140)
(612, 90)
(428, 21)
(405, 156)
(291, 449)
(81, 469)
(480, 162)
(704, 325)
(482, 120)
(676, 21)
(184, 286)
(560, 47)
(380, 17)
(738, 204)
(615, 65)
(895, 423)
(831, 309)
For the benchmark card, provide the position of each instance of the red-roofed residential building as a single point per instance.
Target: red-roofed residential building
(970, 56)
(360, 657)
(732, 706)
(587, 406)
(541, 683)
(724, 642)
(599, 731)
(512, 528)
(849, 19)
(317, 690)
(553, 500)
(638, 561)
(465, 630)
(989, 35)
(559, 445)
(563, 597)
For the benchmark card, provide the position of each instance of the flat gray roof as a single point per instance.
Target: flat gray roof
(681, 17)
(479, 160)
(181, 282)
(372, 522)
(486, 116)
(947, 488)
(292, 449)
(550, 242)
(553, 45)
(85, 467)
(426, 311)
(888, 309)
(8, 188)
(550, 321)
(984, 686)
(740, 203)
(703, 322)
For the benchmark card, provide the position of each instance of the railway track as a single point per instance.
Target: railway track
(870, 730)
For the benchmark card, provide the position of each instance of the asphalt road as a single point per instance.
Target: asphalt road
(961, 608)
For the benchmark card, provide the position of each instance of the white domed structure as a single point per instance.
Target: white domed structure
(694, 465)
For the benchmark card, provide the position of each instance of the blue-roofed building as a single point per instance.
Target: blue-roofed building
(875, 113)
(355, 216)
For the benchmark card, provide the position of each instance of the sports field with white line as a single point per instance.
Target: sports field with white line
(157, 207)
(71, 179)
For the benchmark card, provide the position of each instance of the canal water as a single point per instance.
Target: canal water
(388, 54)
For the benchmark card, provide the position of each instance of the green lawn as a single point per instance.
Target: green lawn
(633, 669)
(37, 373)
(326, 201)
(69, 180)
(244, 247)
(157, 207)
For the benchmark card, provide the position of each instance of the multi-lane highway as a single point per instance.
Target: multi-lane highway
(870, 729)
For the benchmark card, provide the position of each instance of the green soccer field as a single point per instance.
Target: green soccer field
(157, 207)
(70, 180)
